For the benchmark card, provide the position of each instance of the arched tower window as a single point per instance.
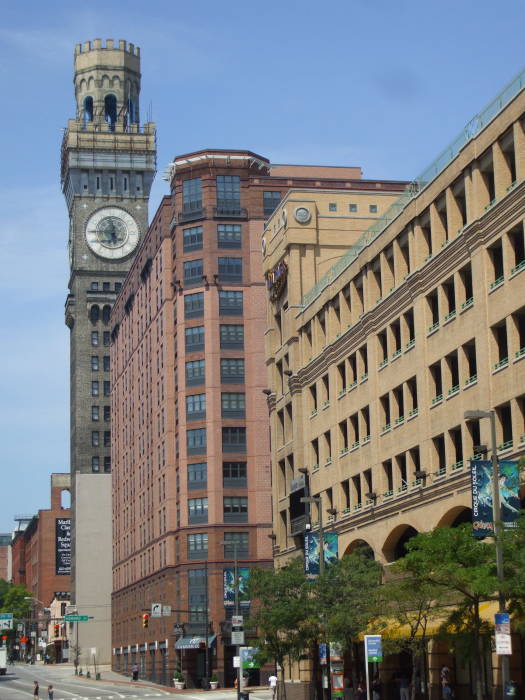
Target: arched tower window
(110, 110)
(94, 313)
(88, 109)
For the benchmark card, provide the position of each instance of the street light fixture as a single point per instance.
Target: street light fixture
(496, 507)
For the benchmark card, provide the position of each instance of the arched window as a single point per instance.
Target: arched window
(106, 312)
(110, 110)
(94, 313)
(65, 499)
(88, 109)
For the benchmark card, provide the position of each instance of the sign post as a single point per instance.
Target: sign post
(373, 654)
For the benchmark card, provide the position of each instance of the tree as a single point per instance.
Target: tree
(464, 568)
(14, 601)
(409, 605)
(514, 568)
(285, 614)
(347, 598)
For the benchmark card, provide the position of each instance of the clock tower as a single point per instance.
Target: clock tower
(108, 162)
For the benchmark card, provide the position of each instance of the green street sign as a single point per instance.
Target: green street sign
(6, 616)
(76, 618)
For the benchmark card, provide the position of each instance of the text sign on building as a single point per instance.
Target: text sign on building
(237, 637)
(6, 616)
(63, 546)
(503, 637)
(373, 648)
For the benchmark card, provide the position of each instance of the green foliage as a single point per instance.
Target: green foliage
(514, 567)
(4, 587)
(14, 601)
(285, 614)
(347, 597)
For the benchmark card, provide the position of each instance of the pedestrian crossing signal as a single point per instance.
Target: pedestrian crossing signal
(145, 620)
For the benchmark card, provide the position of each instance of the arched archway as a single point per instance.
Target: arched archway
(395, 544)
(456, 516)
(94, 313)
(110, 110)
(361, 545)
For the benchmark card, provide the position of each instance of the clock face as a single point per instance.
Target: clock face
(112, 233)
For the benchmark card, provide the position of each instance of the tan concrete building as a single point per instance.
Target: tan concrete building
(375, 353)
(190, 448)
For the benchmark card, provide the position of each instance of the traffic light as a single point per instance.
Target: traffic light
(145, 620)
(57, 630)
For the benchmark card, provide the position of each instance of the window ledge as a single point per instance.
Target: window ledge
(466, 305)
(449, 317)
(437, 401)
(519, 355)
(496, 284)
(410, 344)
(454, 391)
(413, 414)
(433, 329)
(516, 270)
(501, 365)
(471, 381)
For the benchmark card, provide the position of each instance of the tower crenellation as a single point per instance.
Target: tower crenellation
(96, 45)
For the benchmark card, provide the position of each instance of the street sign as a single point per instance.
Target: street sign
(156, 610)
(20, 628)
(166, 610)
(178, 629)
(503, 637)
(373, 649)
(249, 657)
(237, 637)
(76, 618)
(236, 661)
(6, 616)
(6, 624)
(237, 620)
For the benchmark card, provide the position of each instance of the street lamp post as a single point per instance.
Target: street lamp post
(234, 544)
(319, 503)
(496, 507)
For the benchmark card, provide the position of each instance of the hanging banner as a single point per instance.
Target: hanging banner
(63, 546)
(509, 491)
(229, 586)
(311, 552)
(481, 484)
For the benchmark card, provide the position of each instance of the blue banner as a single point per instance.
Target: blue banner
(229, 586)
(481, 482)
(311, 552)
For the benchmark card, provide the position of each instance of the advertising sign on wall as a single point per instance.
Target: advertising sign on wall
(481, 484)
(63, 546)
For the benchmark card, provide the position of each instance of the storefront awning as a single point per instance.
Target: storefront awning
(193, 642)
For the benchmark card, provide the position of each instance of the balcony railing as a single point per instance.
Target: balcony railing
(223, 211)
(191, 214)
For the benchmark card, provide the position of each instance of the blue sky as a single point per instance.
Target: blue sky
(380, 85)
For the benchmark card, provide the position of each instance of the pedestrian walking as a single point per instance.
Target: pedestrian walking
(272, 681)
(50, 692)
(404, 687)
(376, 687)
(36, 690)
(361, 691)
(135, 672)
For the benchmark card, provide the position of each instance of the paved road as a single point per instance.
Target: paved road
(18, 685)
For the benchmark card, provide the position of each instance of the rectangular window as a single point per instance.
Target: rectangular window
(106, 363)
(94, 413)
(192, 239)
(352, 208)
(192, 195)
(229, 236)
(107, 338)
(105, 286)
(107, 463)
(118, 286)
(230, 303)
(107, 388)
(193, 271)
(94, 286)
(232, 370)
(233, 405)
(197, 476)
(194, 305)
(236, 545)
(196, 441)
(332, 206)
(94, 363)
(195, 372)
(95, 438)
(107, 413)
(372, 208)
(194, 338)
(198, 546)
(270, 202)
(234, 475)
(95, 464)
(234, 439)
(232, 337)
(235, 509)
(107, 438)
(197, 510)
(230, 269)
(195, 407)
(94, 338)
(228, 195)
(94, 389)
